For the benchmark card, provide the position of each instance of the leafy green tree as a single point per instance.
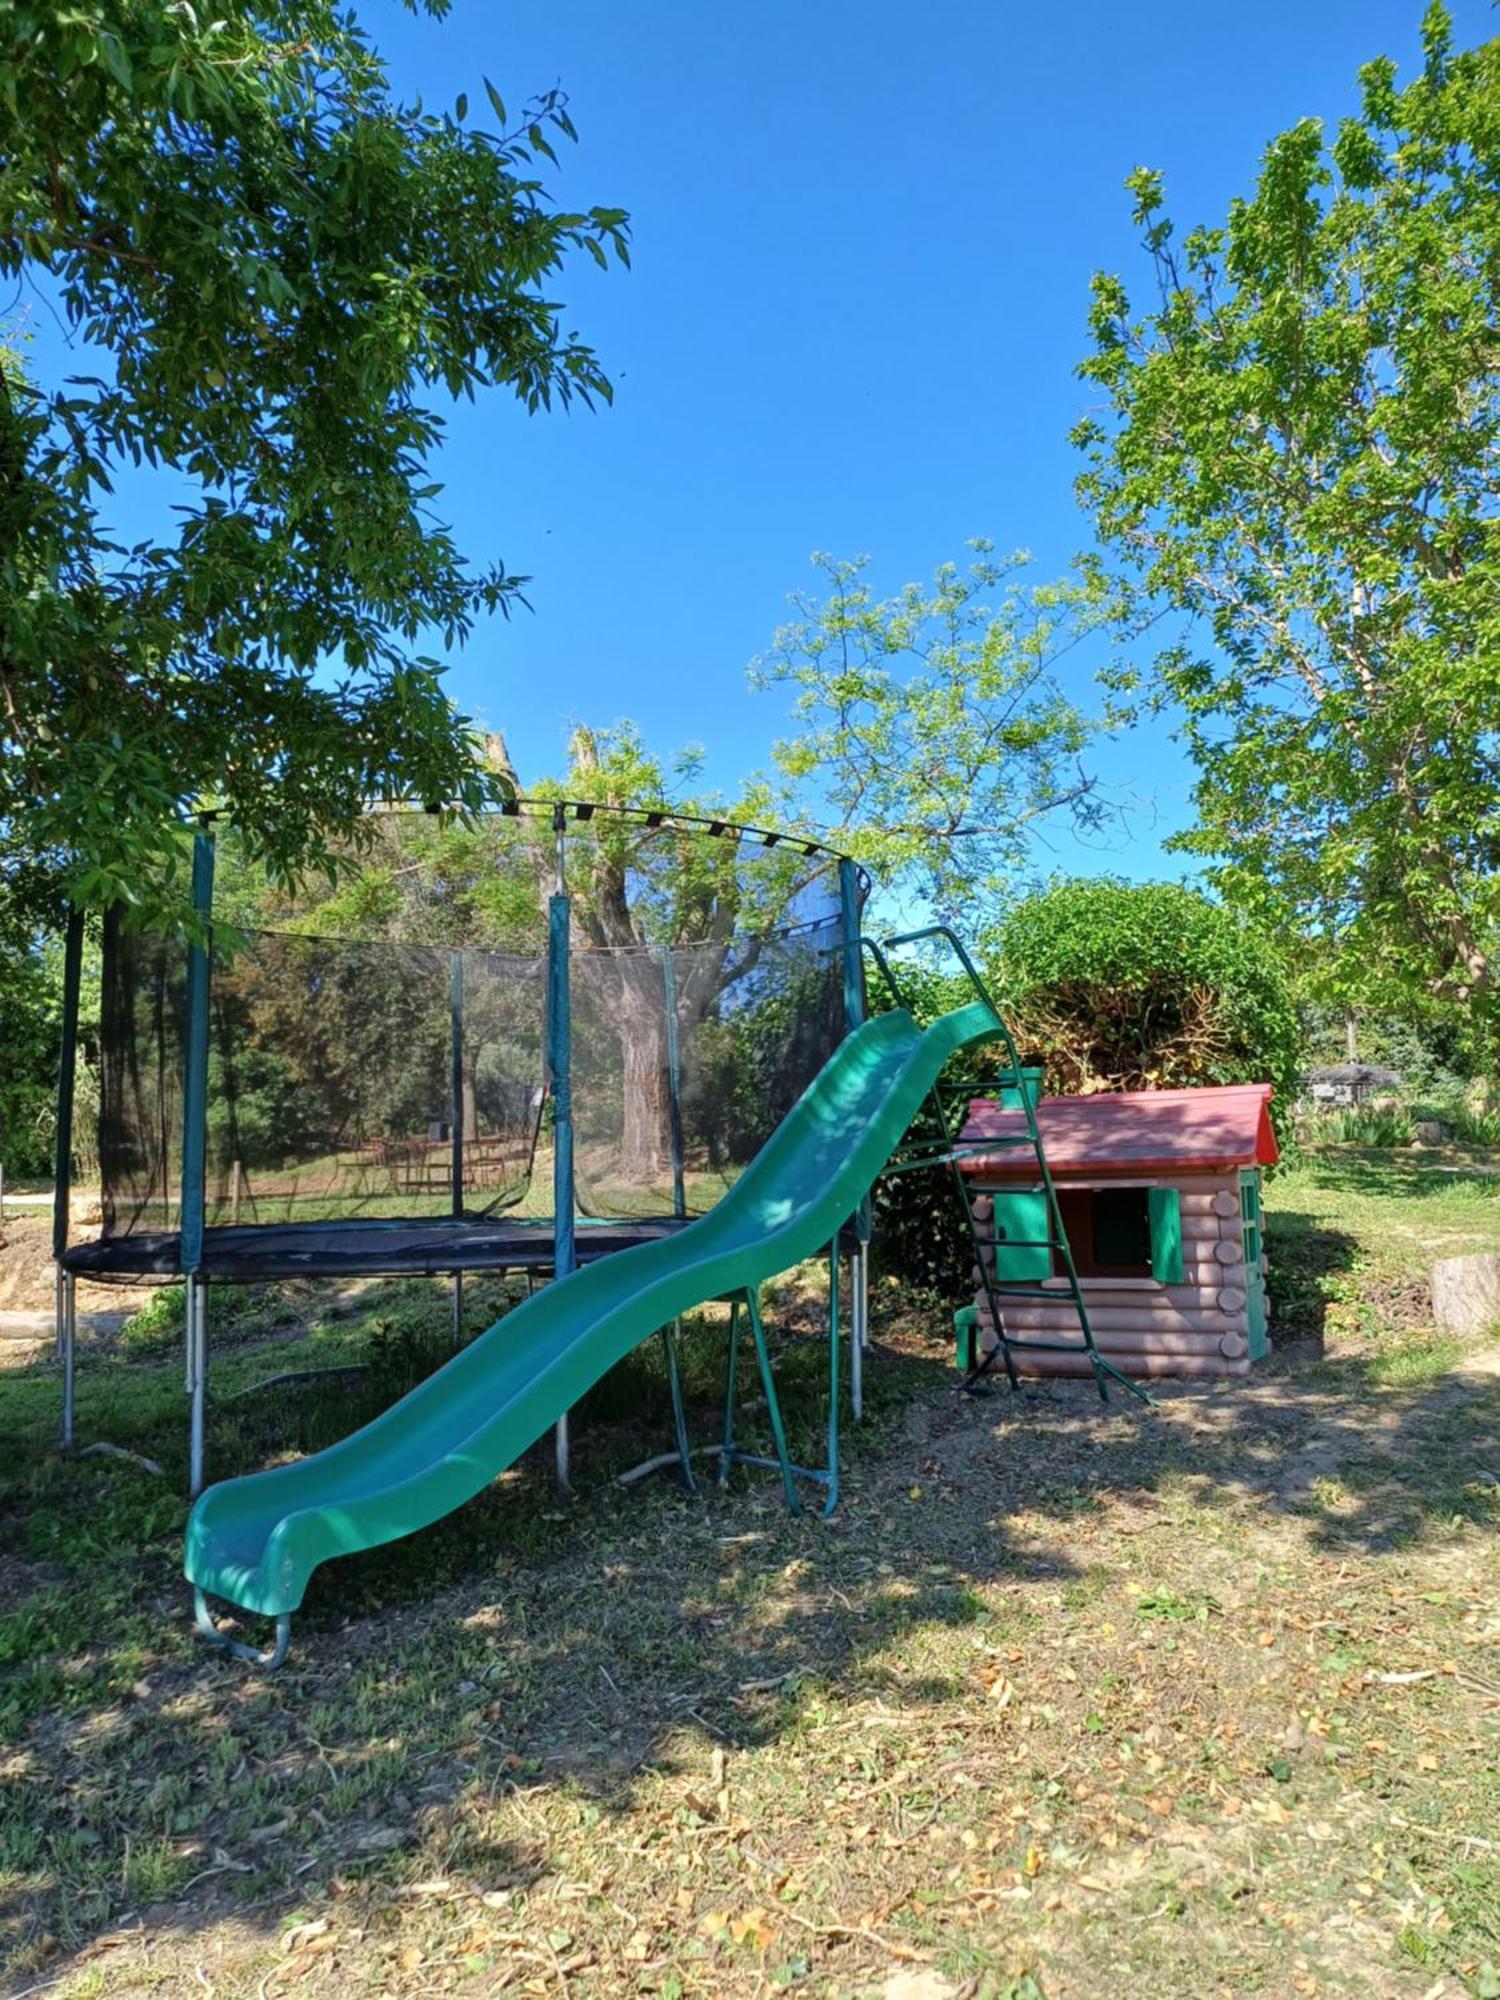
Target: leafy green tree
(30, 1040)
(930, 728)
(1296, 447)
(1144, 986)
(283, 270)
(364, 1045)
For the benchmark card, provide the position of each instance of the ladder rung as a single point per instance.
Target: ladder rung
(1020, 1242)
(1034, 1291)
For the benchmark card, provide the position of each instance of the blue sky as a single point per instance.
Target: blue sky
(863, 240)
(863, 236)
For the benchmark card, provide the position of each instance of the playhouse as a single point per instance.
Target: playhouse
(1159, 1193)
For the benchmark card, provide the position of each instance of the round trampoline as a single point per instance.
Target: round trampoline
(519, 1042)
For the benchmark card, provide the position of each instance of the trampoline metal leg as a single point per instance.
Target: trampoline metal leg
(859, 1333)
(833, 1379)
(197, 1380)
(67, 1351)
(458, 1307)
(563, 1451)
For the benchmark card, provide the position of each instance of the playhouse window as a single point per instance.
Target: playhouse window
(1109, 1231)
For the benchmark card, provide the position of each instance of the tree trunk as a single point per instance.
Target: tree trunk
(645, 1139)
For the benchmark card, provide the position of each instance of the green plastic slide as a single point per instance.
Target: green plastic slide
(256, 1541)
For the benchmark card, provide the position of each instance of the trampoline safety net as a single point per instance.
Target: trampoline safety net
(409, 1078)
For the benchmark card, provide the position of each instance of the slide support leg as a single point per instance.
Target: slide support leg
(768, 1383)
(731, 1390)
(670, 1335)
(270, 1659)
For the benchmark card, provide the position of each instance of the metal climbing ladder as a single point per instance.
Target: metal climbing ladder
(943, 1147)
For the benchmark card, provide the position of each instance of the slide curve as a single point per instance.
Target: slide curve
(255, 1541)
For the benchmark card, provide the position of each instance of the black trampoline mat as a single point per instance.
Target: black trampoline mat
(252, 1254)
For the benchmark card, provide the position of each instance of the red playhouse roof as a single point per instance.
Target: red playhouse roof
(1206, 1130)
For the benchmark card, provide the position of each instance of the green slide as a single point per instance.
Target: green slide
(255, 1541)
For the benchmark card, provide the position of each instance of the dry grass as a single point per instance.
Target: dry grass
(1066, 1700)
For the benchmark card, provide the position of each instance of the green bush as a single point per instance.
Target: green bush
(1107, 985)
(1139, 986)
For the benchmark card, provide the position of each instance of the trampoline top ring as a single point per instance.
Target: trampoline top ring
(583, 812)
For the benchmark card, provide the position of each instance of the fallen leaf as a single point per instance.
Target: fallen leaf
(752, 1929)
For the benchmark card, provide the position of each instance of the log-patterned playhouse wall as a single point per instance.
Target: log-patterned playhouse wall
(1200, 1327)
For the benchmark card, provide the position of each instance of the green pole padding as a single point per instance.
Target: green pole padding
(674, 1083)
(66, 1067)
(560, 1062)
(854, 986)
(456, 1016)
(195, 1075)
(1164, 1206)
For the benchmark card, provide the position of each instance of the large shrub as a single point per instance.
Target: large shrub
(1145, 986)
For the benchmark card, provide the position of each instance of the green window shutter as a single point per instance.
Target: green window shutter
(1021, 1218)
(1166, 1235)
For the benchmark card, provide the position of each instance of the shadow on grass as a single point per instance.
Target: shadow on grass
(1308, 1264)
(1393, 1173)
(531, 1643)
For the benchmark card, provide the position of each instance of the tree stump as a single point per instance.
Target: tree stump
(1466, 1293)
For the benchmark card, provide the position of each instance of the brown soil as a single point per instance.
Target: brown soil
(27, 1276)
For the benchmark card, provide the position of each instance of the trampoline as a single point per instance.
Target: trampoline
(519, 1042)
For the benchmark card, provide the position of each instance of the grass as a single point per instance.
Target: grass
(1067, 1700)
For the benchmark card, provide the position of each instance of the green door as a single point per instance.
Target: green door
(1255, 1277)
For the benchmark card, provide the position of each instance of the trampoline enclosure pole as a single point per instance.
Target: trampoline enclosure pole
(456, 1125)
(674, 1083)
(66, 1315)
(194, 1147)
(854, 1014)
(66, 1067)
(560, 1062)
(456, 1071)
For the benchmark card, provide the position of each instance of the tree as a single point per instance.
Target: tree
(932, 722)
(281, 268)
(1297, 449)
(639, 893)
(30, 1041)
(641, 896)
(1114, 985)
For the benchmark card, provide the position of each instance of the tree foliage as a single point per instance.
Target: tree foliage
(1144, 986)
(30, 1042)
(333, 1041)
(1297, 447)
(930, 727)
(276, 271)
